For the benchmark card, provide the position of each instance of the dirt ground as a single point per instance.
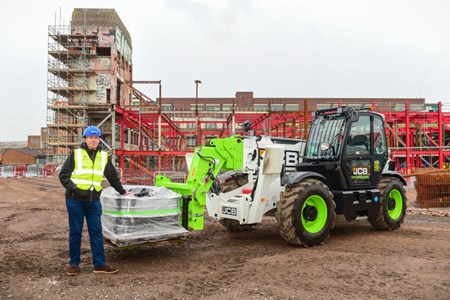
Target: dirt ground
(356, 263)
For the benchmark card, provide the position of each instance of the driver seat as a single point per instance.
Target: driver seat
(360, 140)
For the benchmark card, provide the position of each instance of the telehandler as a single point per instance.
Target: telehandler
(342, 168)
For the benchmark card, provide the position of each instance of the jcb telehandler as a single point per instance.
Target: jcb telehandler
(342, 169)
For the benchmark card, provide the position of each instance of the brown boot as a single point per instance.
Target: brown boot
(105, 270)
(73, 270)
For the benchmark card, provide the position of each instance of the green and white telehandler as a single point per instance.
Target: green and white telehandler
(342, 168)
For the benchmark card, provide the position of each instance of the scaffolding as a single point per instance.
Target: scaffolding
(89, 70)
(69, 69)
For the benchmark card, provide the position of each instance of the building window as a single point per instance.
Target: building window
(325, 105)
(212, 107)
(200, 107)
(227, 107)
(103, 51)
(291, 107)
(261, 107)
(277, 107)
(191, 141)
(209, 126)
(167, 107)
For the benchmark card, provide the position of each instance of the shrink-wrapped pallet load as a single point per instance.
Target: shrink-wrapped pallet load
(152, 214)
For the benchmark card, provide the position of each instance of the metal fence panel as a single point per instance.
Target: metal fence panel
(433, 188)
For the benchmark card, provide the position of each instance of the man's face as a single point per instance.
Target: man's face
(92, 141)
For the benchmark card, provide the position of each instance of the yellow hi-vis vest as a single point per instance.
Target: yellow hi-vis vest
(87, 174)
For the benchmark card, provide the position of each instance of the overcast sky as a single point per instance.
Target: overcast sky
(275, 48)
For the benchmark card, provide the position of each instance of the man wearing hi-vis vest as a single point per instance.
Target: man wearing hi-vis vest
(82, 175)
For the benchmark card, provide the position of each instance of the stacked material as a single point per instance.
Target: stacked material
(152, 214)
(433, 188)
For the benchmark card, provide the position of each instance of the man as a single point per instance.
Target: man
(81, 175)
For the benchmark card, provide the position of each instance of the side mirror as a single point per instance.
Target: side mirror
(246, 125)
(354, 117)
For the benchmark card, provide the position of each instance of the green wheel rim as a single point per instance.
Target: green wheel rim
(395, 204)
(314, 214)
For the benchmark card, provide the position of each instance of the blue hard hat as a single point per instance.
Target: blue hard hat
(92, 131)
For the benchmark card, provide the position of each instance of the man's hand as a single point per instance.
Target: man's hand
(128, 194)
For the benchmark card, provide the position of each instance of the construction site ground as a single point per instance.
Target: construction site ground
(358, 262)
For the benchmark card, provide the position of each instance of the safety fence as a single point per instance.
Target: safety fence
(7, 171)
(29, 171)
(432, 188)
(179, 177)
(147, 177)
(139, 177)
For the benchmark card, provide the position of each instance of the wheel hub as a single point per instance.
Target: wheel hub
(310, 213)
(391, 203)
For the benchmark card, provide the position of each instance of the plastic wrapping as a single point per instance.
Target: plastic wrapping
(151, 215)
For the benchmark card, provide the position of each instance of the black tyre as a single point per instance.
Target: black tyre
(233, 182)
(233, 225)
(305, 213)
(393, 205)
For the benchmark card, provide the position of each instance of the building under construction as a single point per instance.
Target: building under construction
(90, 82)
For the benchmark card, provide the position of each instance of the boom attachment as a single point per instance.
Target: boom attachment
(208, 161)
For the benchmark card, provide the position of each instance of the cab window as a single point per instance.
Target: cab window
(358, 140)
(379, 138)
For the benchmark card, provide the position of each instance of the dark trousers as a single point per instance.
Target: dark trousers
(92, 211)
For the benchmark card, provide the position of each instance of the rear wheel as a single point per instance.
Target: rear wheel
(233, 225)
(393, 205)
(305, 213)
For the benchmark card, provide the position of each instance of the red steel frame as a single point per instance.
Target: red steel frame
(403, 129)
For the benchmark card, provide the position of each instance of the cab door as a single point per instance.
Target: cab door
(380, 149)
(357, 159)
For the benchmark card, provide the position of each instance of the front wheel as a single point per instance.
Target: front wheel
(305, 213)
(392, 207)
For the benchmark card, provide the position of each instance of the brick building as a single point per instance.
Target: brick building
(38, 141)
(245, 101)
(34, 142)
(22, 156)
(1, 155)
(214, 113)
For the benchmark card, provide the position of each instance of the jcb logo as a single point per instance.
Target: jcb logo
(231, 211)
(360, 171)
(291, 158)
